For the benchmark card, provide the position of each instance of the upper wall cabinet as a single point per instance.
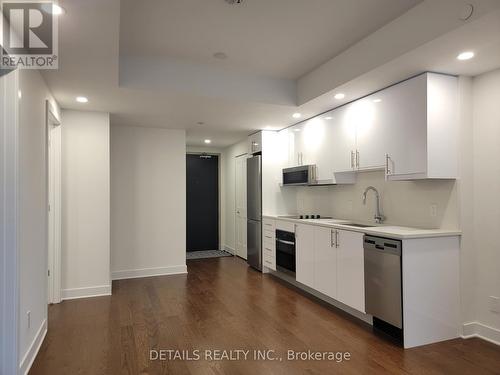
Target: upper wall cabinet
(254, 143)
(409, 130)
(425, 141)
(325, 142)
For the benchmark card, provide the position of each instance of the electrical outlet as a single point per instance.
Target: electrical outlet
(28, 315)
(434, 210)
(494, 304)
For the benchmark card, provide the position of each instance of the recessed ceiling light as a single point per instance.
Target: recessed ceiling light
(297, 130)
(328, 118)
(339, 96)
(377, 100)
(467, 55)
(82, 99)
(20, 94)
(297, 115)
(208, 141)
(220, 55)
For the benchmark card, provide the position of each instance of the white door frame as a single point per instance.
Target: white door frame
(9, 251)
(54, 202)
(243, 252)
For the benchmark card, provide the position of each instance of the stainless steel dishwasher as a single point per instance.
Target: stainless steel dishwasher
(383, 298)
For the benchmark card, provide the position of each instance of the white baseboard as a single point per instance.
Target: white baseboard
(93, 291)
(229, 249)
(30, 355)
(148, 272)
(476, 329)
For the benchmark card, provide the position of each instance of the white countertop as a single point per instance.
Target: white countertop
(390, 231)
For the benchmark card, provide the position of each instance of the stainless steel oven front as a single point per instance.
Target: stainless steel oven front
(285, 252)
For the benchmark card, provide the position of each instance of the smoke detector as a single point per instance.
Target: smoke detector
(234, 2)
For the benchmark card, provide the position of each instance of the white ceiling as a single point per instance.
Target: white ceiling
(276, 38)
(95, 44)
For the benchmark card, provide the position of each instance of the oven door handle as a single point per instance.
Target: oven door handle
(285, 242)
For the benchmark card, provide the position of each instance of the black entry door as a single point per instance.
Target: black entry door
(202, 202)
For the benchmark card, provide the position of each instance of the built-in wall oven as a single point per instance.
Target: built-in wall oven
(285, 252)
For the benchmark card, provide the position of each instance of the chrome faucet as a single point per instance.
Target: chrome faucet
(379, 218)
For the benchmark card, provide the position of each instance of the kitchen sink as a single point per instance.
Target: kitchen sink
(359, 225)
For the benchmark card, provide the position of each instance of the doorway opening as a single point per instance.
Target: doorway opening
(53, 157)
(202, 195)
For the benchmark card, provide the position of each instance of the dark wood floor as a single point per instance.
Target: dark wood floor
(222, 304)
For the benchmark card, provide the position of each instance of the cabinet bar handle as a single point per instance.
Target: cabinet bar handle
(357, 159)
(352, 159)
(387, 170)
(336, 238)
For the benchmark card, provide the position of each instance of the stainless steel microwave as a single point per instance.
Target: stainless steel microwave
(301, 175)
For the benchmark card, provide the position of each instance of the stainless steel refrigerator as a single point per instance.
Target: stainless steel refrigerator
(254, 212)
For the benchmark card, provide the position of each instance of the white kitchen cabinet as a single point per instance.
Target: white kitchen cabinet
(342, 138)
(409, 129)
(269, 249)
(254, 143)
(350, 269)
(304, 254)
(424, 136)
(395, 125)
(325, 261)
(297, 148)
(323, 141)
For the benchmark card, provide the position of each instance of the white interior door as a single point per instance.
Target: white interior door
(54, 209)
(241, 206)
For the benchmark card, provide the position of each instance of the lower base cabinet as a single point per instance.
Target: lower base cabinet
(304, 254)
(325, 261)
(331, 261)
(350, 269)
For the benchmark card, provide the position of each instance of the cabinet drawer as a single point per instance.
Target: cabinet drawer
(268, 224)
(270, 262)
(286, 226)
(269, 250)
(269, 245)
(271, 235)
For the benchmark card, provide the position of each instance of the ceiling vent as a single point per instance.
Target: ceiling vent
(234, 2)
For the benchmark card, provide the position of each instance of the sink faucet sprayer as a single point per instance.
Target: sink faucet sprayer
(379, 218)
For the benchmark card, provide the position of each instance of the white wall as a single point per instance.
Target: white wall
(465, 189)
(85, 214)
(9, 314)
(229, 168)
(403, 202)
(486, 165)
(148, 201)
(32, 220)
